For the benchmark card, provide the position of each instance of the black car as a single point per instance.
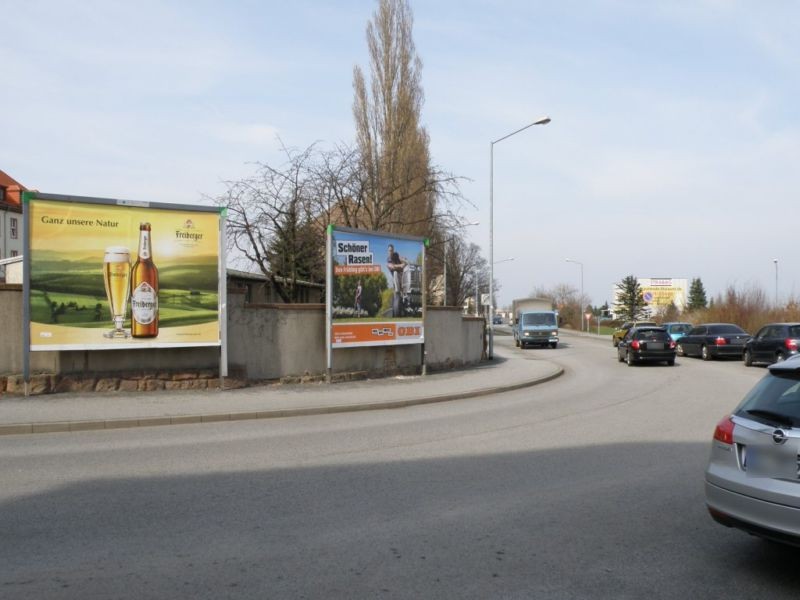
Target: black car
(497, 320)
(714, 340)
(646, 344)
(773, 343)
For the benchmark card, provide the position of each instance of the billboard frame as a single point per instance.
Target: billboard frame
(29, 196)
(329, 347)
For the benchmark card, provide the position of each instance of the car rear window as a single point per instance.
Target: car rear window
(680, 328)
(652, 335)
(717, 329)
(794, 331)
(775, 393)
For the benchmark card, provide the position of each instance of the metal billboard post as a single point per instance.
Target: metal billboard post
(328, 303)
(424, 301)
(26, 292)
(223, 299)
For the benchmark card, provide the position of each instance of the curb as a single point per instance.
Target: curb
(97, 425)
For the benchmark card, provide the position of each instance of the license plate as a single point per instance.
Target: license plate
(655, 345)
(765, 461)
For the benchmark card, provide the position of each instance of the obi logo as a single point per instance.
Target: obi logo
(415, 331)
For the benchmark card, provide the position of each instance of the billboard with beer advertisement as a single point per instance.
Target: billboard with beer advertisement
(118, 274)
(376, 296)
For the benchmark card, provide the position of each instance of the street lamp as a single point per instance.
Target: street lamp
(775, 260)
(577, 262)
(543, 121)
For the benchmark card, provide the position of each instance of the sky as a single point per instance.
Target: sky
(671, 152)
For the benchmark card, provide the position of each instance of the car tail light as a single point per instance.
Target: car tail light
(672, 344)
(720, 341)
(791, 344)
(635, 344)
(724, 431)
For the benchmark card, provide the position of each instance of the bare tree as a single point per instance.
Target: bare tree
(386, 181)
(566, 299)
(402, 191)
(466, 267)
(273, 221)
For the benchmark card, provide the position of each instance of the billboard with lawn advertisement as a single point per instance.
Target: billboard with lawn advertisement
(113, 274)
(376, 296)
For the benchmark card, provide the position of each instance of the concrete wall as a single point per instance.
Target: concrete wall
(267, 341)
(452, 339)
(291, 341)
(11, 335)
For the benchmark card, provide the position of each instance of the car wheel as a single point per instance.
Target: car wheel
(748, 358)
(679, 350)
(629, 359)
(671, 362)
(554, 345)
(704, 353)
(779, 357)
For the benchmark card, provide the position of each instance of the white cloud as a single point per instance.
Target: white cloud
(257, 134)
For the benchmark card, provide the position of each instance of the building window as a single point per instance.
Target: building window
(2, 194)
(13, 228)
(14, 253)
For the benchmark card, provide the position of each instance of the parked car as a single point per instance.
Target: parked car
(772, 343)
(497, 320)
(677, 330)
(752, 478)
(620, 333)
(646, 344)
(713, 340)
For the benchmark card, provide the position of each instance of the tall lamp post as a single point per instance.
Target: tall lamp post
(775, 260)
(577, 262)
(543, 121)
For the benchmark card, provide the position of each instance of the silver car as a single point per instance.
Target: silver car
(753, 474)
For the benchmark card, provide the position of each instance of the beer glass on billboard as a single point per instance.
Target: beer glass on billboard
(116, 274)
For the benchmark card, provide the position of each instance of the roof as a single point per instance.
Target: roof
(236, 274)
(14, 191)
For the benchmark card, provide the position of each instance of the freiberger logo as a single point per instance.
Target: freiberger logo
(188, 234)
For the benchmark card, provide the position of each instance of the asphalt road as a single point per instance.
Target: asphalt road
(589, 486)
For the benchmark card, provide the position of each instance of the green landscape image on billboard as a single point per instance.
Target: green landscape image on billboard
(68, 289)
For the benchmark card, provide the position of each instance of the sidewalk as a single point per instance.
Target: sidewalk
(509, 370)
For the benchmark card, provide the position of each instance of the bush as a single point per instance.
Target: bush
(748, 308)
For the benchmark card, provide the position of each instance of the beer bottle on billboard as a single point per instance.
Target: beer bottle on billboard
(144, 289)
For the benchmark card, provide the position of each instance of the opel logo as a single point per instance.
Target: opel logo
(779, 436)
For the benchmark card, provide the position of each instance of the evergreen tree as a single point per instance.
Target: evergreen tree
(697, 295)
(629, 304)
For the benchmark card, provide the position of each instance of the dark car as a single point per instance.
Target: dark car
(646, 344)
(773, 343)
(497, 320)
(714, 340)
